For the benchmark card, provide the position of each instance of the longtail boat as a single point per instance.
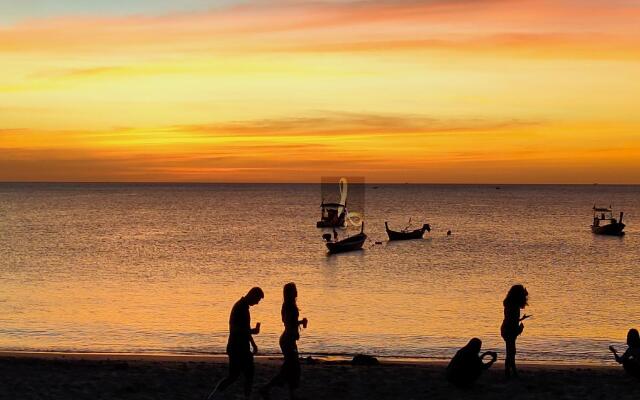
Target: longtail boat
(351, 243)
(605, 224)
(331, 215)
(407, 234)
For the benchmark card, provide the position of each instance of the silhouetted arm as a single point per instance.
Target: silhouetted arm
(253, 345)
(494, 357)
(615, 353)
(255, 330)
(620, 359)
(625, 356)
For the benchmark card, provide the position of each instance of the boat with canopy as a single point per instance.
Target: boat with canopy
(604, 222)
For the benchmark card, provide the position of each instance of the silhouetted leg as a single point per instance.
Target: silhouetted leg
(248, 377)
(289, 371)
(294, 377)
(510, 360)
(278, 380)
(236, 367)
(225, 383)
(289, 374)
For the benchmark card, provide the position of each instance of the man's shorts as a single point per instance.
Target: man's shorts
(240, 362)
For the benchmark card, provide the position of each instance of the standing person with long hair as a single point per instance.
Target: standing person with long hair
(512, 326)
(290, 371)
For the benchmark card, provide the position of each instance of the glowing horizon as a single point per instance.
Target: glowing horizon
(421, 91)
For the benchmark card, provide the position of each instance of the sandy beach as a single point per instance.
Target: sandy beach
(106, 376)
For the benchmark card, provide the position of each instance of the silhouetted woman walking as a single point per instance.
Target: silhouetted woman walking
(290, 371)
(512, 325)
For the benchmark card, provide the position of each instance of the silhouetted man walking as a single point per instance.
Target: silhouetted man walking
(238, 350)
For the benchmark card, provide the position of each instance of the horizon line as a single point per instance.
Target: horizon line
(316, 182)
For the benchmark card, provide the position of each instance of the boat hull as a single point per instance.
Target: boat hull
(614, 229)
(349, 244)
(406, 235)
(394, 235)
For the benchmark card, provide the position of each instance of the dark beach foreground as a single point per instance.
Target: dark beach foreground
(41, 376)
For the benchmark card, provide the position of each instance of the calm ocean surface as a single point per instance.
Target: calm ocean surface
(156, 268)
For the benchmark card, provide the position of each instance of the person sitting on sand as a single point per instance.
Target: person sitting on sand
(240, 331)
(512, 325)
(467, 365)
(630, 360)
(290, 371)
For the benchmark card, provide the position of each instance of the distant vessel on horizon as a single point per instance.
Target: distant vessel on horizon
(605, 224)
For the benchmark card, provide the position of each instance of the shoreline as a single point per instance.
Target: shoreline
(80, 376)
(329, 359)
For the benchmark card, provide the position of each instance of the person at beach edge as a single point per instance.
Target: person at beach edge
(240, 338)
(290, 371)
(467, 365)
(630, 360)
(512, 325)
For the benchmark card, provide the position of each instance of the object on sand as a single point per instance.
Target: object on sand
(363, 359)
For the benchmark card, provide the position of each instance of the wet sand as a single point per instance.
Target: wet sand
(28, 376)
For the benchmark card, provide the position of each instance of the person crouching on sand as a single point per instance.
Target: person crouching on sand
(630, 360)
(240, 331)
(512, 325)
(467, 365)
(290, 371)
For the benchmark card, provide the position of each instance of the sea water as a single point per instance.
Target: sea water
(157, 268)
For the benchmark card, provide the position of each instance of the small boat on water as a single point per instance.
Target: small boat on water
(331, 215)
(605, 224)
(407, 234)
(351, 243)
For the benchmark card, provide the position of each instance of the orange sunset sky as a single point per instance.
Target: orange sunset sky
(477, 91)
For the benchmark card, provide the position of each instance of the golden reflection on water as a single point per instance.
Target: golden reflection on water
(74, 279)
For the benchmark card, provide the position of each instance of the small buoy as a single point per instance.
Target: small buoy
(448, 233)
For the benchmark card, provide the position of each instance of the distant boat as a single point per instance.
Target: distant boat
(406, 234)
(331, 215)
(351, 243)
(605, 224)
